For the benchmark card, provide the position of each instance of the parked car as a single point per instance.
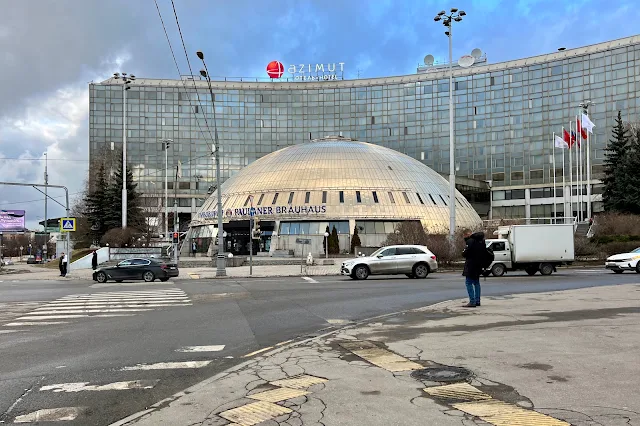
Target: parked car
(412, 260)
(137, 269)
(31, 260)
(619, 263)
(6, 261)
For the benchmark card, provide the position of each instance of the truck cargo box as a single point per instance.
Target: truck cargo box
(542, 243)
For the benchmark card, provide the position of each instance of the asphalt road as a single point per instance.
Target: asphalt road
(102, 344)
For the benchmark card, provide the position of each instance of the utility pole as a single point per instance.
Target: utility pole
(46, 184)
(125, 86)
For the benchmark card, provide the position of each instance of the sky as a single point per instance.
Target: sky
(51, 50)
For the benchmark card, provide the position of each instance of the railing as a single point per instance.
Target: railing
(494, 223)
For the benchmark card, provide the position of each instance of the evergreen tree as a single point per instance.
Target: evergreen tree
(630, 166)
(97, 206)
(614, 171)
(113, 216)
(355, 240)
(334, 242)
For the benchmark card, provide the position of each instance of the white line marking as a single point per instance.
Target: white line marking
(48, 317)
(8, 331)
(337, 321)
(132, 292)
(211, 348)
(50, 415)
(167, 365)
(109, 299)
(20, 324)
(309, 279)
(85, 311)
(284, 343)
(259, 351)
(85, 386)
(108, 306)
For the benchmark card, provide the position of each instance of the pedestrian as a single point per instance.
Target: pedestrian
(475, 255)
(60, 265)
(63, 260)
(94, 260)
(194, 248)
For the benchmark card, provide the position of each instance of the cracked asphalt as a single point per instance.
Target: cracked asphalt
(246, 316)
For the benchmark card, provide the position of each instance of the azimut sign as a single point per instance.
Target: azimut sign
(307, 72)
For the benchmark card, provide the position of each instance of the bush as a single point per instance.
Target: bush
(118, 237)
(614, 224)
(585, 247)
(617, 248)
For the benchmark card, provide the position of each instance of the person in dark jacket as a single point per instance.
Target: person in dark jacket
(473, 253)
(60, 265)
(94, 260)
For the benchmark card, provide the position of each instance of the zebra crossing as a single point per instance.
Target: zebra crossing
(58, 414)
(97, 305)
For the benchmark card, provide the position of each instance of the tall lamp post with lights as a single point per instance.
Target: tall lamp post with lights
(126, 81)
(220, 259)
(166, 143)
(447, 20)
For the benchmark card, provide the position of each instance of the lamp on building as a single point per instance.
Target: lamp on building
(447, 20)
(220, 260)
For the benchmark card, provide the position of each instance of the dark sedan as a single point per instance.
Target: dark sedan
(137, 269)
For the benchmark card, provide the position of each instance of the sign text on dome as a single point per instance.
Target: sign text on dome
(323, 72)
(268, 211)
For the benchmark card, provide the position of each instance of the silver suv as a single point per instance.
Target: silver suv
(413, 261)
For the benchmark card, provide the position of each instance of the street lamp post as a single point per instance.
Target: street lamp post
(220, 259)
(455, 15)
(126, 80)
(166, 143)
(326, 245)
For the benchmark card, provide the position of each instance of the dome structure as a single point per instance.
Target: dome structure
(336, 180)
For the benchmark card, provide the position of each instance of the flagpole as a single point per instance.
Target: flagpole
(581, 180)
(564, 190)
(571, 145)
(553, 156)
(589, 176)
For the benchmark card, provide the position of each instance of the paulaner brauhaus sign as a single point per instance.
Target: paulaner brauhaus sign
(243, 213)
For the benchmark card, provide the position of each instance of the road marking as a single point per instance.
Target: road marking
(284, 343)
(211, 348)
(167, 365)
(113, 306)
(458, 391)
(380, 357)
(85, 311)
(259, 351)
(252, 414)
(338, 321)
(50, 415)
(20, 324)
(303, 381)
(309, 279)
(85, 386)
(47, 317)
(277, 395)
(8, 331)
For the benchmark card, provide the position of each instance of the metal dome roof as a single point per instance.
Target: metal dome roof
(389, 184)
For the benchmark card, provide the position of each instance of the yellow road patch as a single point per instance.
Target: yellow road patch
(299, 382)
(500, 413)
(277, 395)
(380, 357)
(252, 414)
(457, 391)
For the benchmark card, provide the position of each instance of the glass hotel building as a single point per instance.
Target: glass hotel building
(505, 114)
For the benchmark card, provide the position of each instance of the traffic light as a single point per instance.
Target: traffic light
(256, 229)
(176, 238)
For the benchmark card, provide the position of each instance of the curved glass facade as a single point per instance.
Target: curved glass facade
(504, 118)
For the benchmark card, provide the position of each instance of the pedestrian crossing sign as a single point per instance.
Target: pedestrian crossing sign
(67, 224)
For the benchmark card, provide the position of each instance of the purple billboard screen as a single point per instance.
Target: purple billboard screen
(12, 220)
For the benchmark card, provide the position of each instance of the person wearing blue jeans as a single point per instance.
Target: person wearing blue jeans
(473, 254)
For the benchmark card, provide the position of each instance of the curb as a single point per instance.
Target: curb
(205, 382)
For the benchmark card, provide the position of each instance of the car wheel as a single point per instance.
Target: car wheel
(148, 276)
(101, 277)
(421, 270)
(498, 270)
(531, 271)
(361, 272)
(618, 271)
(546, 269)
(638, 268)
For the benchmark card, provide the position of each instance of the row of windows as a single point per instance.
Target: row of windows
(313, 228)
(435, 200)
(547, 192)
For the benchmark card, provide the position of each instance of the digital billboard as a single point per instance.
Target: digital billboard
(12, 220)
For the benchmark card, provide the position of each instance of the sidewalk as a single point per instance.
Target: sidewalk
(555, 358)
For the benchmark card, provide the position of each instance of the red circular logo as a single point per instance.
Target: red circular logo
(275, 69)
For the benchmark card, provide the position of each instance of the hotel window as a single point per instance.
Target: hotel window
(391, 197)
(373, 120)
(358, 198)
(432, 200)
(247, 201)
(375, 197)
(290, 198)
(342, 196)
(306, 197)
(406, 198)
(420, 198)
(275, 198)
(443, 200)
(260, 200)
(324, 197)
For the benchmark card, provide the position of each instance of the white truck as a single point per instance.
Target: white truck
(531, 248)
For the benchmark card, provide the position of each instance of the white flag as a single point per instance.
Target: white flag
(560, 143)
(587, 124)
(179, 171)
